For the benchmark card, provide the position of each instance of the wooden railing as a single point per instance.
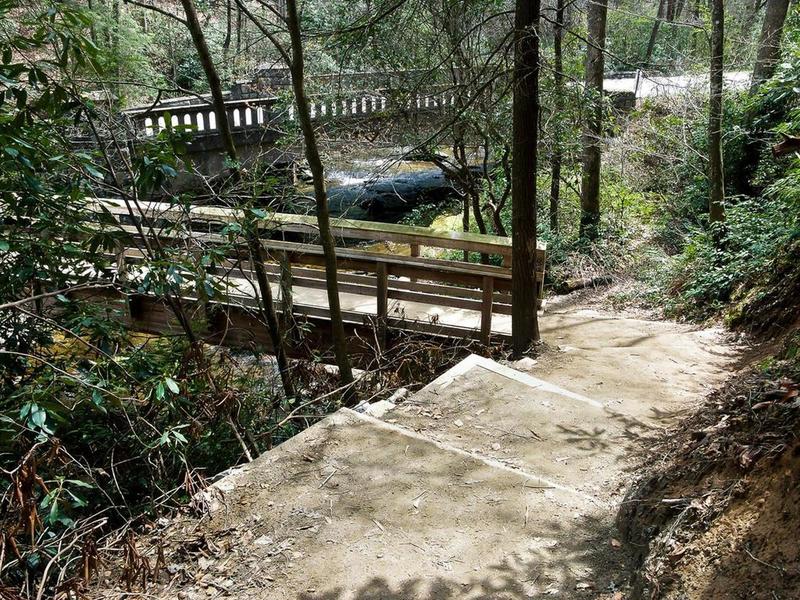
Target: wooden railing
(441, 281)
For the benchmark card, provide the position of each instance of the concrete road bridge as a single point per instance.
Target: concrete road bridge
(376, 108)
(346, 108)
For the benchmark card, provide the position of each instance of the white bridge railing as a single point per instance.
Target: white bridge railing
(271, 111)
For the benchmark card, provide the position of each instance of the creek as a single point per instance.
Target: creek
(380, 189)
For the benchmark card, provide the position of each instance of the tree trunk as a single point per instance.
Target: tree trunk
(268, 309)
(769, 46)
(253, 240)
(670, 11)
(117, 14)
(592, 142)
(226, 43)
(320, 194)
(681, 4)
(716, 209)
(214, 84)
(524, 322)
(92, 30)
(651, 44)
(239, 26)
(558, 80)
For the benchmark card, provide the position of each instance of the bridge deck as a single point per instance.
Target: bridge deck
(309, 299)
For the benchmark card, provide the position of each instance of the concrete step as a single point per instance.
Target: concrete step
(485, 484)
(355, 507)
(565, 439)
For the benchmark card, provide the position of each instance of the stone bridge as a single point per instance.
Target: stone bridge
(379, 108)
(380, 113)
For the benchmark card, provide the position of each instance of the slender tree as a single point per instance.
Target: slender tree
(592, 136)
(716, 209)
(251, 228)
(651, 44)
(297, 69)
(769, 46)
(215, 85)
(558, 81)
(524, 321)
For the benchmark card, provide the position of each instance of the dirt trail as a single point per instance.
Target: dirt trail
(492, 482)
(646, 368)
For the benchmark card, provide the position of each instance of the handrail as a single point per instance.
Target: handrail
(450, 283)
(342, 227)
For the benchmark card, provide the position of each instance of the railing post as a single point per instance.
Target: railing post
(414, 253)
(486, 309)
(382, 293)
(286, 295)
(120, 259)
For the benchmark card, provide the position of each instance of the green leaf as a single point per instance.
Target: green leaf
(97, 400)
(172, 385)
(38, 418)
(79, 483)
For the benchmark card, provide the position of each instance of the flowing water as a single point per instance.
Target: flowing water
(381, 189)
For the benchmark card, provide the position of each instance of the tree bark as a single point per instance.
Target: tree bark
(769, 46)
(214, 83)
(592, 142)
(558, 81)
(651, 44)
(268, 308)
(251, 232)
(716, 209)
(226, 43)
(297, 70)
(524, 321)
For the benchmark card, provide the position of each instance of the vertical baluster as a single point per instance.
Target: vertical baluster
(382, 293)
(486, 309)
(414, 252)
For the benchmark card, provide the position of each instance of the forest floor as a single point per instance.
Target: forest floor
(494, 481)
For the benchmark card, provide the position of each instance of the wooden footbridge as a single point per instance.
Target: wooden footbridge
(417, 283)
